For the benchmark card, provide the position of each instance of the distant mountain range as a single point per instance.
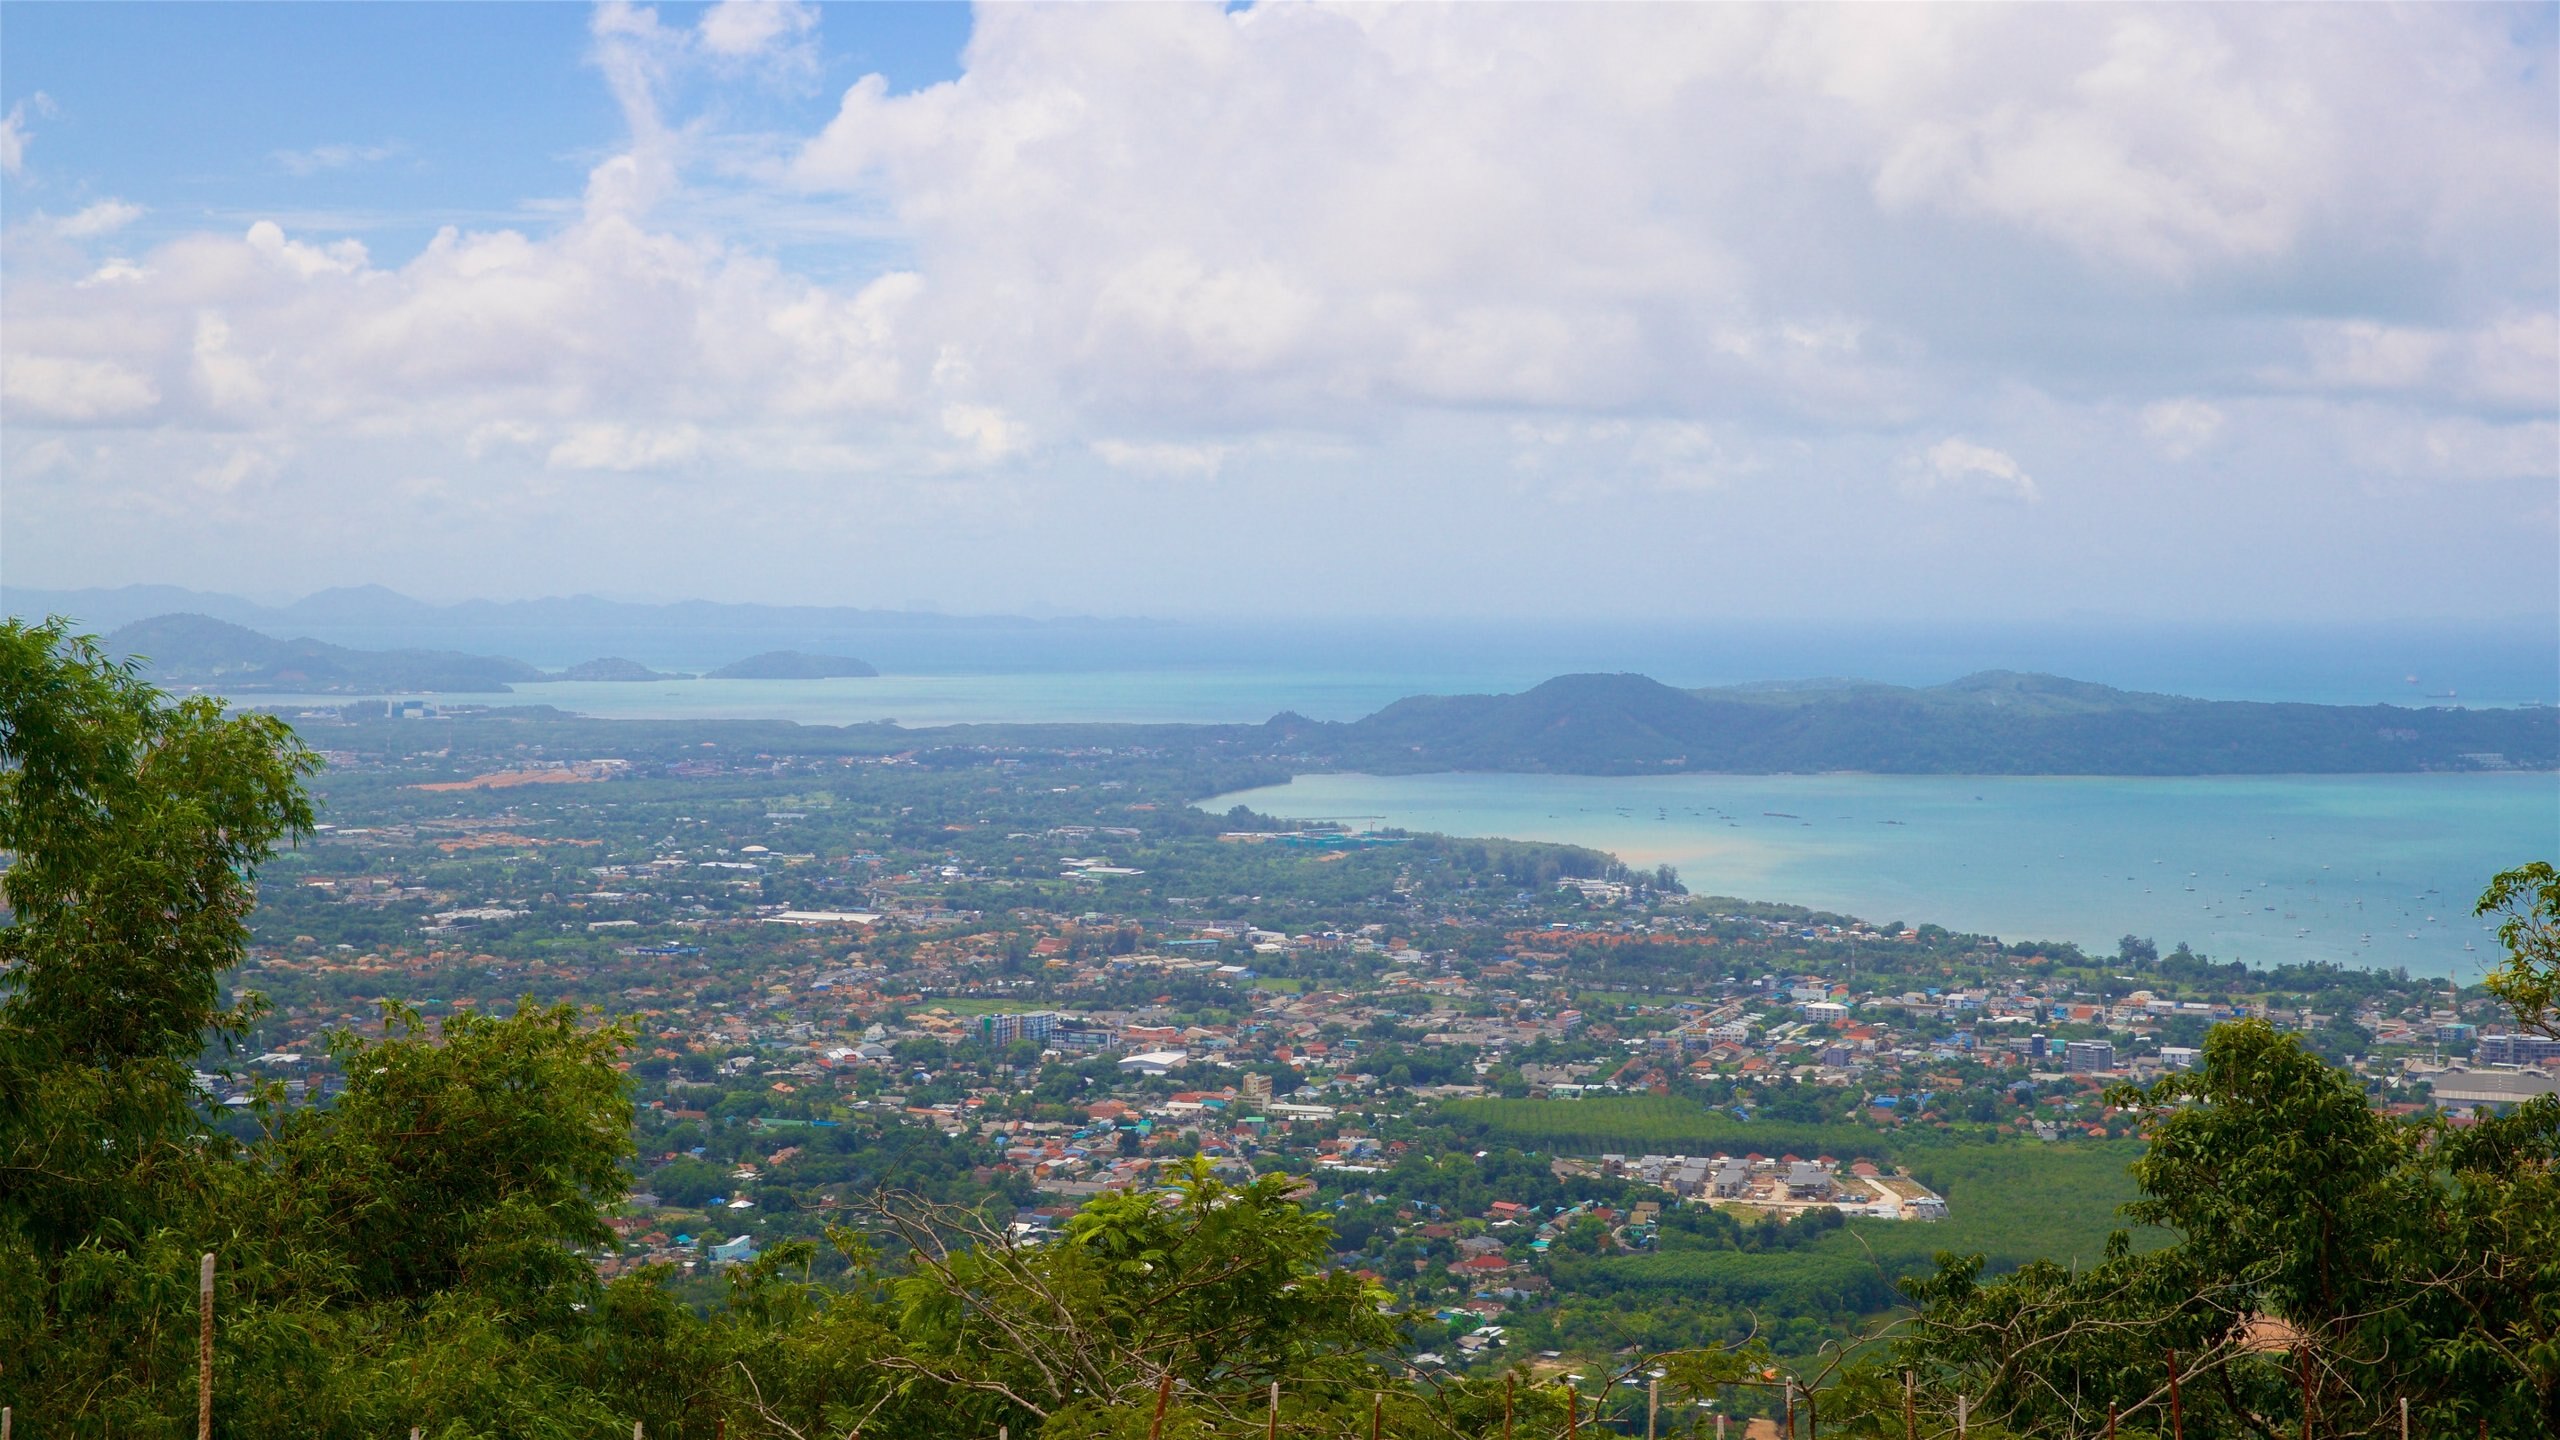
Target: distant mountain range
(1995, 723)
(375, 607)
(1992, 723)
(201, 651)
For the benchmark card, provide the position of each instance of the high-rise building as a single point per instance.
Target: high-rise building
(2515, 1050)
(2087, 1057)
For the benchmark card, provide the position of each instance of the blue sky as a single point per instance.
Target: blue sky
(1184, 309)
(386, 120)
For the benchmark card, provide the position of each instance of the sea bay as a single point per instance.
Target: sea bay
(2369, 870)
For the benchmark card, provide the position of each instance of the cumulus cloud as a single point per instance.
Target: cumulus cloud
(1957, 466)
(1293, 212)
(1693, 255)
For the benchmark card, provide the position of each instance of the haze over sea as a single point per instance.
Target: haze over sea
(1240, 673)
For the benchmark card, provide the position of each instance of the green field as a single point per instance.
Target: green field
(1657, 1124)
(2014, 1201)
(2011, 1202)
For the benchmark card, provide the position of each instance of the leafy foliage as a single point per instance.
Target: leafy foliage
(2528, 900)
(2330, 1261)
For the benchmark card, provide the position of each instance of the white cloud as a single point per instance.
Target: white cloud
(737, 29)
(2180, 428)
(625, 447)
(1956, 466)
(2515, 360)
(1171, 461)
(1308, 214)
(1713, 261)
(41, 388)
(238, 467)
(14, 133)
(990, 433)
(2162, 140)
(339, 156)
(2396, 444)
(111, 272)
(2364, 355)
(98, 219)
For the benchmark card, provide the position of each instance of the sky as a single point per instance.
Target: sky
(2193, 313)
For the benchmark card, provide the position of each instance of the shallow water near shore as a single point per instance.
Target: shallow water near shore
(2369, 870)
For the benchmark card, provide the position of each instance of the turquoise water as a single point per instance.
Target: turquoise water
(2376, 870)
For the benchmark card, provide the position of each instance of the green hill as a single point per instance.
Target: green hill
(1995, 723)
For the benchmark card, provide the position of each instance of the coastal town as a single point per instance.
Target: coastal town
(964, 976)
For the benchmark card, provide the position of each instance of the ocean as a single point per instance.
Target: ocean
(2368, 870)
(1236, 672)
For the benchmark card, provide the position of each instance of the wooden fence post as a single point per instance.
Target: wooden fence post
(1960, 1417)
(2177, 1407)
(1652, 1403)
(1272, 1431)
(1910, 1406)
(1511, 1378)
(2302, 1367)
(1155, 1427)
(1572, 1413)
(204, 1347)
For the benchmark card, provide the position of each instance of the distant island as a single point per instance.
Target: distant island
(1994, 723)
(200, 652)
(792, 665)
(613, 667)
